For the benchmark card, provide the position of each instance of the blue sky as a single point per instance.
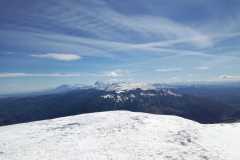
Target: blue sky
(47, 43)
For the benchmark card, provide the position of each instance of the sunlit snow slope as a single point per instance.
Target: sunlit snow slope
(119, 135)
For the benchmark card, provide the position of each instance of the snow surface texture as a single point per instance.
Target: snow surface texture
(119, 135)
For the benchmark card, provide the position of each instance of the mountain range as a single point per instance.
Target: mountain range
(199, 103)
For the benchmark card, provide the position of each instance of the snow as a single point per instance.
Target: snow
(227, 135)
(119, 88)
(173, 94)
(122, 86)
(147, 94)
(108, 96)
(119, 135)
(117, 98)
(132, 96)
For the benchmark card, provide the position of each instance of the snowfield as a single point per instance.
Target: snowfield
(119, 135)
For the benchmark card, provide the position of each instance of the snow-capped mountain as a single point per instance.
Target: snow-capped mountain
(119, 135)
(123, 86)
(120, 95)
(118, 88)
(137, 97)
(66, 88)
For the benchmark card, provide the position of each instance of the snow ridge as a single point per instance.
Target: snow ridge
(119, 135)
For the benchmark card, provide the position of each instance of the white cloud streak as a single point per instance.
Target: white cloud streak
(16, 75)
(229, 77)
(202, 68)
(112, 32)
(169, 69)
(58, 56)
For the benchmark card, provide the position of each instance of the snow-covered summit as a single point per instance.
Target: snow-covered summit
(123, 86)
(119, 135)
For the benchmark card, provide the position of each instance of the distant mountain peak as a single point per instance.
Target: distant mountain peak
(66, 87)
(123, 86)
(118, 87)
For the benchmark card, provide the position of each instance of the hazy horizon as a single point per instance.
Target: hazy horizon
(46, 89)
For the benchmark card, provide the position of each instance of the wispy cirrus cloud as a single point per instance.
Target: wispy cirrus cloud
(169, 69)
(103, 30)
(19, 74)
(202, 68)
(229, 77)
(133, 32)
(58, 56)
(104, 24)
